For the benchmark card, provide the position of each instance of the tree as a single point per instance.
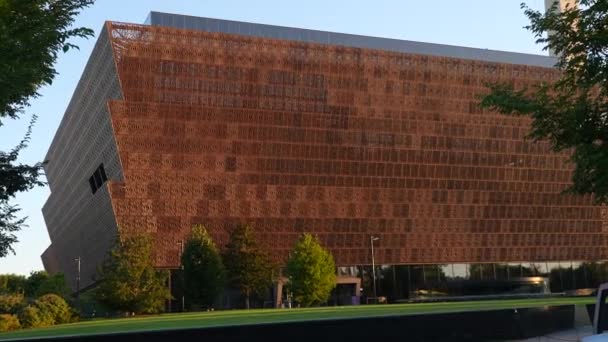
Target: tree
(249, 268)
(128, 280)
(32, 33)
(204, 272)
(40, 283)
(311, 272)
(12, 283)
(571, 113)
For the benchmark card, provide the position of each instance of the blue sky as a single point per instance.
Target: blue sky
(491, 24)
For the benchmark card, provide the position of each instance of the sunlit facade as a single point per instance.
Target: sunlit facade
(189, 120)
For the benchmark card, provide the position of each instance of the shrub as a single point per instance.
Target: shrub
(55, 307)
(10, 303)
(9, 322)
(30, 317)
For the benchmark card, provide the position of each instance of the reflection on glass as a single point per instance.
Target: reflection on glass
(567, 275)
(602, 273)
(482, 271)
(417, 280)
(385, 281)
(365, 273)
(348, 271)
(592, 272)
(556, 283)
(402, 280)
(539, 269)
(447, 271)
(432, 274)
(461, 271)
(476, 271)
(514, 270)
(501, 271)
(527, 270)
(405, 282)
(585, 274)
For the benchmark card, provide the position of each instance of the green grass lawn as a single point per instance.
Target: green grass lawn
(240, 317)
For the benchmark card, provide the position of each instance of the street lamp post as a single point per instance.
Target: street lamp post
(77, 260)
(181, 249)
(371, 242)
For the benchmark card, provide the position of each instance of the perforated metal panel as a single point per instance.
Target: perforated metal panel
(341, 142)
(80, 223)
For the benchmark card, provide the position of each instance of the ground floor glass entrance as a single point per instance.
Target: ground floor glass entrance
(407, 282)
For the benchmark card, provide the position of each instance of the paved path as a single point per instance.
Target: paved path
(565, 336)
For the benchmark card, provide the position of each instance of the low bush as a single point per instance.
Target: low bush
(10, 303)
(55, 308)
(30, 317)
(9, 322)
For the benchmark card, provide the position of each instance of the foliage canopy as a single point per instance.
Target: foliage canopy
(32, 34)
(249, 268)
(311, 272)
(128, 280)
(204, 272)
(571, 113)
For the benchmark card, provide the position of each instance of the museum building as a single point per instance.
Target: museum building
(362, 141)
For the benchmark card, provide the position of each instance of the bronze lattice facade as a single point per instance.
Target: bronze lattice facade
(341, 141)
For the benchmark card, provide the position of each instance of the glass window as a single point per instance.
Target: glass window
(385, 280)
(446, 271)
(540, 269)
(567, 275)
(98, 181)
(476, 271)
(432, 274)
(514, 270)
(402, 279)
(555, 277)
(461, 271)
(501, 271)
(348, 271)
(365, 273)
(580, 274)
(603, 272)
(92, 184)
(489, 272)
(102, 173)
(527, 270)
(417, 281)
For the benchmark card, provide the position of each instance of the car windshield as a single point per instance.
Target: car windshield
(344, 169)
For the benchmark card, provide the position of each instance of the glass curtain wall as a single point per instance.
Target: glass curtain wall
(401, 283)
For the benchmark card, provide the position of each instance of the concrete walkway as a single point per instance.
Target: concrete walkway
(572, 335)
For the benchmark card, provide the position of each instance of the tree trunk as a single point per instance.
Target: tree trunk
(247, 300)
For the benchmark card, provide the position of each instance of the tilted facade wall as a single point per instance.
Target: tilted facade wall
(342, 142)
(82, 224)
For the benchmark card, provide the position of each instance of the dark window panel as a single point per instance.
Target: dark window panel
(92, 184)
